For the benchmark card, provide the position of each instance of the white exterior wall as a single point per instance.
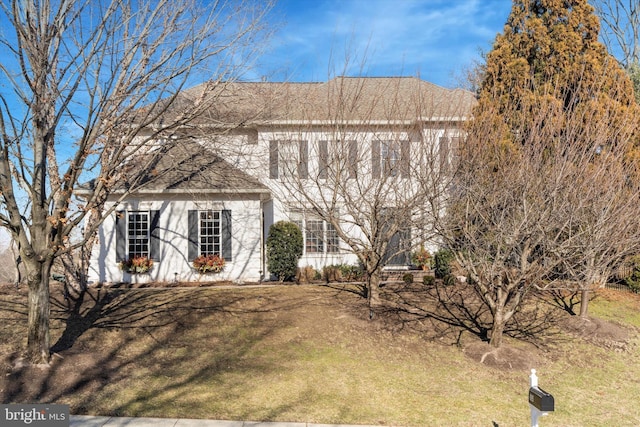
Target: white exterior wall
(173, 264)
(251, 216)
(254, 160)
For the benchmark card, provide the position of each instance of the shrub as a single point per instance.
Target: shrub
(307, 274)
(136, 265)
(284, 249)
(208, 264)
(449, 280)
(407, 278)
(429, 280)
(442, 260)
(633, 280)
(332, 273)
(351, 272)
(342, 272)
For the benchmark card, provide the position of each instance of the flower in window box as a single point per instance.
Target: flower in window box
(208, 264)
(137, 264)
(421, 258)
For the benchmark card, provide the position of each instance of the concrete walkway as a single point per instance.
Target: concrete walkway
(90, 421)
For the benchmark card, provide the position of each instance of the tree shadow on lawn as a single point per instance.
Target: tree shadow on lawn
(449, 313)
(134, 352)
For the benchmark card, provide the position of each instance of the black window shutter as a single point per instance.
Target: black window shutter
(192, 239)
(375, 158)
(444, 152)
(273, 159)
(303, 166)
(154, 235)
(323, 156)
(405, 158)
(121, 236)
(353, 159)
(226, 235)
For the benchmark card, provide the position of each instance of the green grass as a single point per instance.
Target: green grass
(308, 354)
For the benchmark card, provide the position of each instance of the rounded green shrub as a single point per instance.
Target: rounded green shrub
(284, 249)
(407, 278)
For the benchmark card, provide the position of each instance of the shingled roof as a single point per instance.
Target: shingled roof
(190, 166)
(345, 99)
(187, 166)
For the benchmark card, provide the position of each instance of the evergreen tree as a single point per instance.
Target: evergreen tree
(549, 56)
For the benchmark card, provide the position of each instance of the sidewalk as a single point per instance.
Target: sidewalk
(90, 421)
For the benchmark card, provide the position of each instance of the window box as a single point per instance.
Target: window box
(136, 265)
(208, 264)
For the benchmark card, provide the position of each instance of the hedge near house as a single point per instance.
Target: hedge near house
(284, 249)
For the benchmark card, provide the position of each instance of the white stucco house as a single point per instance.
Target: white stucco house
(262, 154)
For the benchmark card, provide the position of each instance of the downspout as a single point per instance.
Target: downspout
(263, 262)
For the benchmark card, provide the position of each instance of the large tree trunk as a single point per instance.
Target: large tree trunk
(584, 302)
(38, 339)
(497, 328)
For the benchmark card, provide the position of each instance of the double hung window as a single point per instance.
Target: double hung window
(209, 233)
(319, 236)
(137, 234)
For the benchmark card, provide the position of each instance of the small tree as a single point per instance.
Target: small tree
(284, 249)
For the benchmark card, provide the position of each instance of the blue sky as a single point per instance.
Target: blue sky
(436, 39)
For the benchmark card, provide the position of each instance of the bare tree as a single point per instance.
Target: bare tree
(87, 88)
(547, 202)
(620, 29)
(366, 156)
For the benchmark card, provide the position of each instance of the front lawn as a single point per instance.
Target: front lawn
(310, 354)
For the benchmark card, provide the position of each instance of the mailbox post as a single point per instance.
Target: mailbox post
(540, 401)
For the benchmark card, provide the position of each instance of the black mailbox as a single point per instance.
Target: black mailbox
(541, 399)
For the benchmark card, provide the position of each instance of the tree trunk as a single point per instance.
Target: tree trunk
(497, 329)
(38, 339)
(584, 302)
(373, 293)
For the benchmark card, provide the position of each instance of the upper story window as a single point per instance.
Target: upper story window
(288, 159)
(337, 158)
(448, 147)
(390, 158)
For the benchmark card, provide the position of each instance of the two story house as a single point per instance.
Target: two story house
(333, 157)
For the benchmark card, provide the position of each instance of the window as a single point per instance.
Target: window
(319, 236)
(137, 234)
(209, 233)
(390, 158)
(337, 156)
(210, 236)
(448, 149)
(288, 159)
